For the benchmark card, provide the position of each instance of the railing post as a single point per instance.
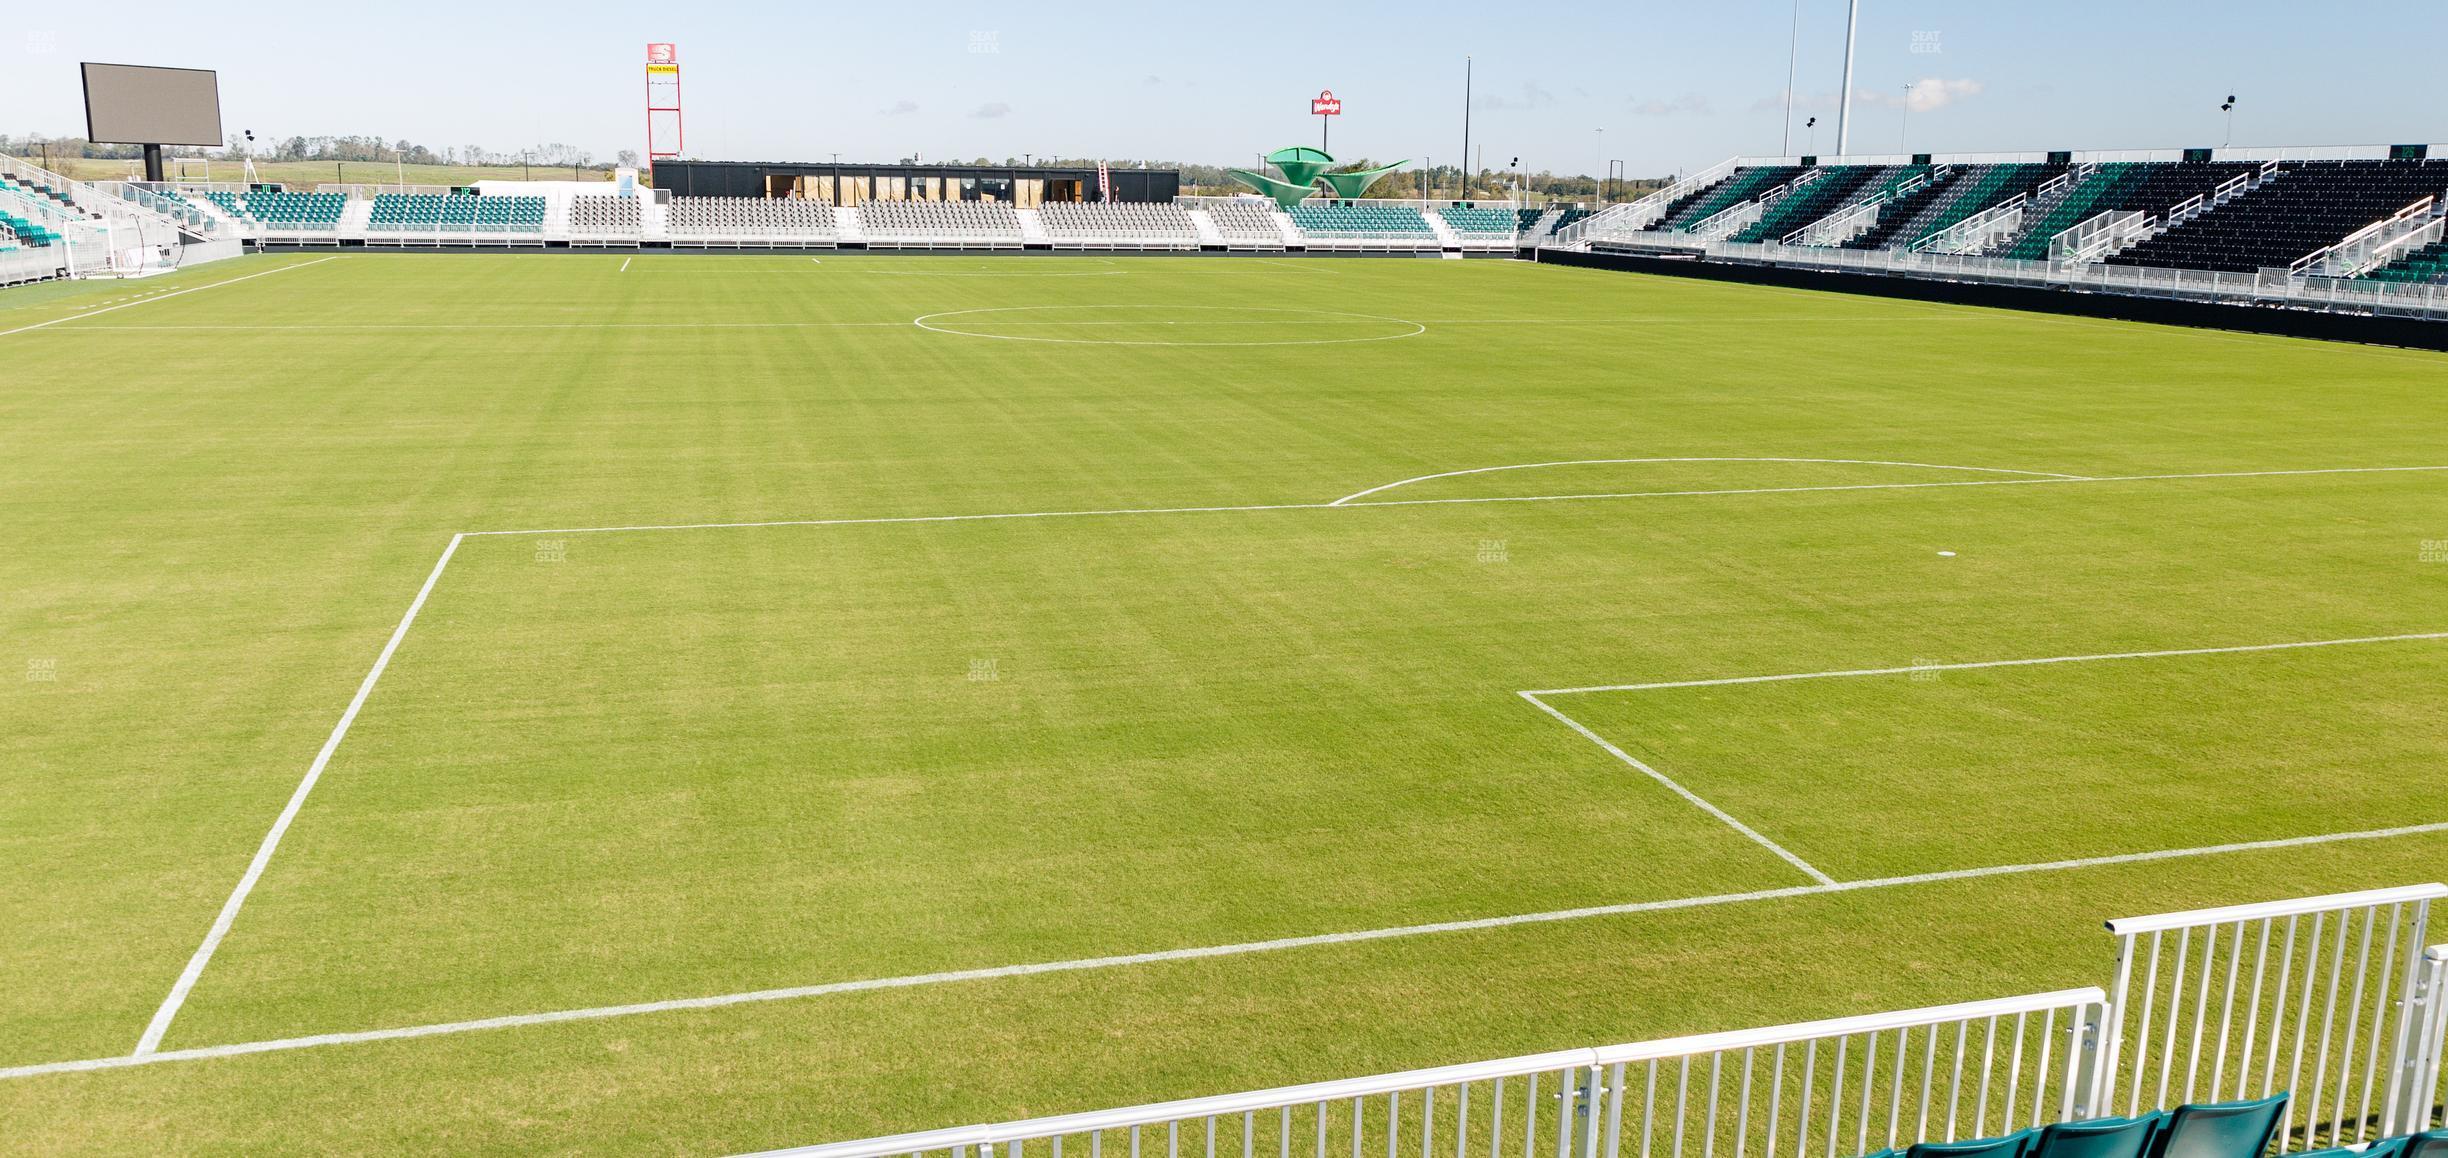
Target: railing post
(2424, 1042)
(1594, 1091)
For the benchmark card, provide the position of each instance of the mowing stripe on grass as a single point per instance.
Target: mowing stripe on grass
(1340, 505)
(1687, 794)
(1248, 947)
(1345, 500)
(151, 1041)
(167, 296)
(1874, 671)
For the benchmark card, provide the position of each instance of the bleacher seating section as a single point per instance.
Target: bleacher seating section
(1973, 189)
(613, 216)
(1900, 208)
(2306, 207)
(2428, 264)
(21, 217)
(752, 218)
(283, 210)
(1344, 219)
(1739, 186)
(1475, 222)
(1245, 219)
(456, 213)
(1836, 188)
(2120, 187)
(956, 222)
(1117, 221)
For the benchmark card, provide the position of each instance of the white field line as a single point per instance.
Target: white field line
(1114, 511)
(456, 326)
(1615, 461)
(151, 1041)
(148, 1045)
(1687, 794)
(625, 264)
(1233, 950)
(1987, 663)
(166, 296)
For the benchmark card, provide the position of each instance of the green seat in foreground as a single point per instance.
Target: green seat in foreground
(2221, 1129)
(2014, 1145)
(2100, 1138)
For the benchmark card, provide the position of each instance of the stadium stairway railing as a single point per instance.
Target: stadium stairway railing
(2295, 989)
(1648, 210)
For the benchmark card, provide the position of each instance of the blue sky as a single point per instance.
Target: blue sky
(1675, 85)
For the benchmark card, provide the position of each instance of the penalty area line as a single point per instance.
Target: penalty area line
(150, 1042)
(166, 296)
(1108, 512)
(1975, 665)
(1233, 950)
(1689, 796)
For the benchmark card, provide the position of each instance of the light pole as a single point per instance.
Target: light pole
(1615, 174)
(1601, 182)
(1468, 170)
(1844, 99)
(1793, 52)
(2228, 107)
(1904, 126)
(1813, 126)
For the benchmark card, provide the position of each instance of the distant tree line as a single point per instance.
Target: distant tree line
(1445, 182)
(1441, 181)
(297, 148)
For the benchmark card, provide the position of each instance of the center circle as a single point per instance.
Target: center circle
(1158, 325)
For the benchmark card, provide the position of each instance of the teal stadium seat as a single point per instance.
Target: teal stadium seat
(2220, 1129)
(2016, 1145)
(2101, 1138)
(1469, 220)
(457, 213)
(1352, 220)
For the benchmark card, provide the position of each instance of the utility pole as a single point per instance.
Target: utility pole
(1793, 53)
(1466, 111)
(1600, 180)
(1844, 100)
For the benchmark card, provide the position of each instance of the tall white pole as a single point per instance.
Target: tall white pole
(1466, 111)
(1793, 52)
(1844, 100)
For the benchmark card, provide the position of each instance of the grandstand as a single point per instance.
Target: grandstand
(959, 224)
(1148, 226)
(456, 213)
(2335, 227)
(750, 219)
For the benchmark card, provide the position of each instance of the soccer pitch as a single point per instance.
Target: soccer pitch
(709, 703)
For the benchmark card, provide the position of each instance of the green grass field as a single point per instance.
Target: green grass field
(717, 686)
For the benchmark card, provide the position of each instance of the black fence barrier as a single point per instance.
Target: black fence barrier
(2416, 333)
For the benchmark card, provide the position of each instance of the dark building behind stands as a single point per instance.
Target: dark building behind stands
(1025, 186)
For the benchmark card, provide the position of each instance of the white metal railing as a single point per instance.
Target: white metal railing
(2431, 1073)
(2100, 156)
(1733, 217)
(1646, 211)
(1979, 231)
(2314, 996)
(2099, 237)
(2376, 244)
(1861, 216)
(1833, 1088)
(125, 223)
(2273, 287)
